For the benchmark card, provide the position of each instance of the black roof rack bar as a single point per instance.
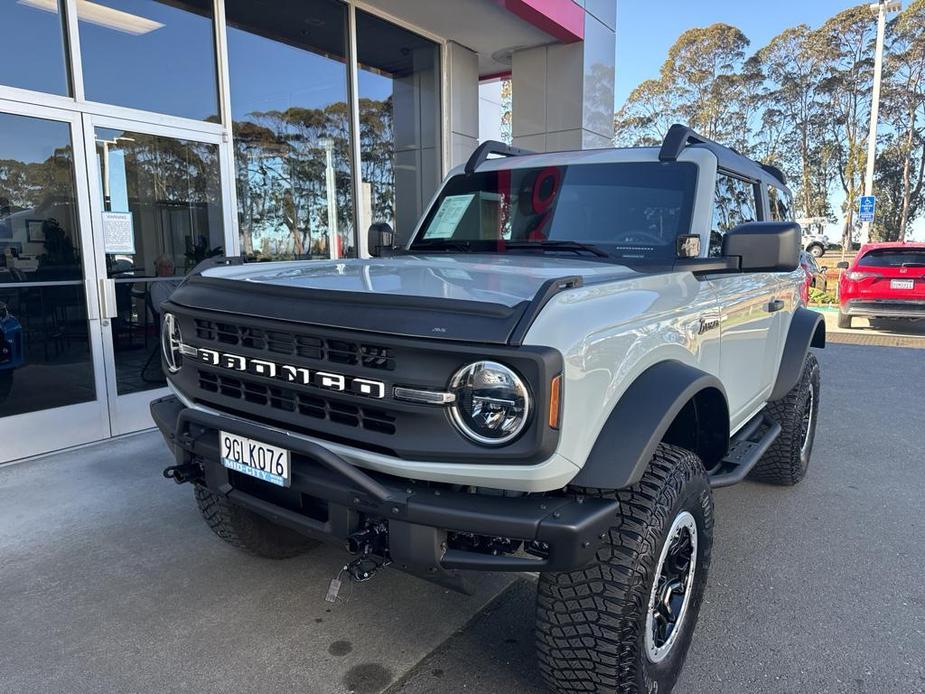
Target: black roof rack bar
(492, 147)
(775, 172)
(678, 137)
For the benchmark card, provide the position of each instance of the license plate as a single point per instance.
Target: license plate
(255, 458)
(902, 284)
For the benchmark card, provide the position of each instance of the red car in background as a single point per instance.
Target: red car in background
(886, 280)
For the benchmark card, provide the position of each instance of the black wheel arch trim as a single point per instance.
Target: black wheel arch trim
(807, 329)
(643, 417)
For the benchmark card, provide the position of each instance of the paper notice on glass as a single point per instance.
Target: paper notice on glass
(118, 233)
(447, 218)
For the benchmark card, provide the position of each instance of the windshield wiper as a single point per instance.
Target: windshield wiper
(559, 245)
(441, 245)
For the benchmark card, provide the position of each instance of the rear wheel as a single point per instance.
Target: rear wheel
(816, 250)
(844, 321)
(247, 530)
(787, 459)
(625, 623)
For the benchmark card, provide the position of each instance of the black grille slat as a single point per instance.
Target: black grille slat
(296, 344)
(290, 400)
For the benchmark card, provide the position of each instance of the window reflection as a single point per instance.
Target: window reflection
(399, 91)
(291, 127)
(33, 52)
(734, 203)
(155, 56)
(164, 196)
(45, 358)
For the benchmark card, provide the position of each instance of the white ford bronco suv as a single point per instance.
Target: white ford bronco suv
(550, 375)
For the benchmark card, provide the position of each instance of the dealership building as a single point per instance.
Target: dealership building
(140, 137)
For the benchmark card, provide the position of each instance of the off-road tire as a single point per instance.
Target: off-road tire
(844, 321)
(247, 531)
(786, 461)
(591, 623)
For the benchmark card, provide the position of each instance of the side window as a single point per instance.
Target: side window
(779, 202)
(733, 204)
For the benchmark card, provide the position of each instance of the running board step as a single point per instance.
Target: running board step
(745, 450)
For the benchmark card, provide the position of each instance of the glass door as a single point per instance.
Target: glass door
(158, 211)
(52, 382)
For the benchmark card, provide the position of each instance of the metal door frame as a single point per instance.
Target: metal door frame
(42, 431)
(129, 413)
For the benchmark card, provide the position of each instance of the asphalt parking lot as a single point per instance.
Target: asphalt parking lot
(109, 582)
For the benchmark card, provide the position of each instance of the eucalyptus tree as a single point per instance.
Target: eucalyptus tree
(794, 119)
(843, 47)
(903, 107)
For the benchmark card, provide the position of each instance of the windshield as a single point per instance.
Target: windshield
(631, 211)
(894, 257)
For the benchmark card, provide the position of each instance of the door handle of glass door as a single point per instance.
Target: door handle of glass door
(108, 308)
(775, 305)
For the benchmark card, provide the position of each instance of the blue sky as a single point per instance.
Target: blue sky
(647, 28)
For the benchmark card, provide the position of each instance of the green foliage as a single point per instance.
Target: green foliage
(823, 298)
(802, 102)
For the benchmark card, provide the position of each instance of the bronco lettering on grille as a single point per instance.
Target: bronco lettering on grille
(287, 372)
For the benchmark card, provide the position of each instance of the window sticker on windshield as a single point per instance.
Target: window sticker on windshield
(447, 218)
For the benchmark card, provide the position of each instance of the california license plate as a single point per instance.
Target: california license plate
(255, 458)
(902, 284)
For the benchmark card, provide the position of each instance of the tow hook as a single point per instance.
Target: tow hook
(188, 472)
(371, 543)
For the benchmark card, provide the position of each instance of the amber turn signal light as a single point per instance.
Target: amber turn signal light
(555, 387)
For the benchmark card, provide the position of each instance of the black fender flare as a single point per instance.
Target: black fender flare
(640, 420)
(807, 329)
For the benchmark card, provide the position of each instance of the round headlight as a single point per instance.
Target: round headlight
(171, 339)
(492, 404)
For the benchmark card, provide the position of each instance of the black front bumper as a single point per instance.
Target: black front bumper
(330, 499)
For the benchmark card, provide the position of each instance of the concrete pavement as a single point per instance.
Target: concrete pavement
(110, 582)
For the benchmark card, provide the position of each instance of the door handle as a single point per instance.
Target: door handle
(775, 305)
(108, 308)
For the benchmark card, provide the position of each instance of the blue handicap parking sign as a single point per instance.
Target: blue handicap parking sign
(866, 208)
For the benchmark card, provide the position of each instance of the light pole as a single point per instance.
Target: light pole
(881, 8)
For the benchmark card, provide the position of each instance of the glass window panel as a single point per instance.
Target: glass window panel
(172, 191)
(33, 46)
(155, 56)
(291, 128)
(399, 91)
(45, 358)
(734, 203)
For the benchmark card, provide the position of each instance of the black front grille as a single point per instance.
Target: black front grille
(290, 400)
(289, 343)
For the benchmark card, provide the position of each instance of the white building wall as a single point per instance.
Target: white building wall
(491, 110)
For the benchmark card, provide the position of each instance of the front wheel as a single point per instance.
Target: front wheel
(625, 623)
(844, 321)
(816, 250)
(248, 531)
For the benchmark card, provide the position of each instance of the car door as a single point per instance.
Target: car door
(749, 303)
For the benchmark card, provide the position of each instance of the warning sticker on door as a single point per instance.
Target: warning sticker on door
(118, 233)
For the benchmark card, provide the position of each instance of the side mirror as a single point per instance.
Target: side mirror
(843, 265)
(380, 238)
(764, 246)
